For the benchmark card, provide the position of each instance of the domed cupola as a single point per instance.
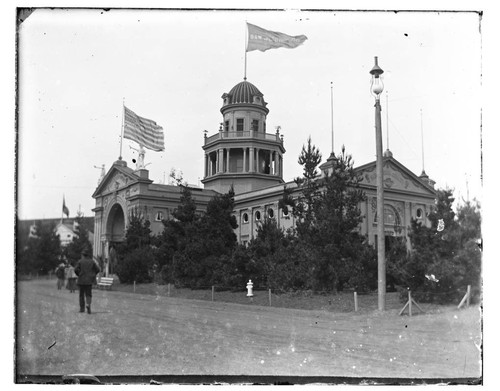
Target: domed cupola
(242, 154)
(244, 93)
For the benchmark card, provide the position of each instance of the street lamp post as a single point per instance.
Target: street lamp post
(376, 89)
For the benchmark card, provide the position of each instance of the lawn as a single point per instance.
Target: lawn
(332, 302)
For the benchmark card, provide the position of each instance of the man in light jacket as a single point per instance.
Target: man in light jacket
(86, 270)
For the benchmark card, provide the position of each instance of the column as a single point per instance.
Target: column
(257, 159)
(206, 165)
(220, 166)
(227, 159)
(252, 160)
(244, 160)
(278, 165)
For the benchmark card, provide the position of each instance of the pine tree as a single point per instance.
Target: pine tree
(135, 255)
(42, 253)
(328, 217)
(343, 251)
(80, 241)
(309, 190)
(444, 260)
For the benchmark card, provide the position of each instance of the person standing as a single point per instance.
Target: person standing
(71, 278)
(86, 269)
(60, 276)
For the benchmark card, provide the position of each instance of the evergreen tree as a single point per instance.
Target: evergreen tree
(80, 242)
(135, 255)
(342, 250)
(445, 257)
(328, 217)
(469, 220)
(279, 262)
(194, 250)
(303, 206)
(42, 253)
(138, 233)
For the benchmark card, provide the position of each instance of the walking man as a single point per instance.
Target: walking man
(60, 276)
(86, 270)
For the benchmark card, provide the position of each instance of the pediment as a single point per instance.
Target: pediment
(396, 177)
(117, 178)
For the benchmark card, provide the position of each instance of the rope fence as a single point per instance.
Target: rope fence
(210, 293)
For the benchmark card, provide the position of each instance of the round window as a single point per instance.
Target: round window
(257, 215)
(245, 217)
(270, 213)
(420, 213)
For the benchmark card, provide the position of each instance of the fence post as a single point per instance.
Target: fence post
(269, 297)
(213, 292)
(355, 301)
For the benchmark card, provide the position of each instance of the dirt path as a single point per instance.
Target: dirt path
(134, 334)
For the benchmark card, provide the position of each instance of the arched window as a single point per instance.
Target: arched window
(245, 218)
(257, 216)
(270, 213)
(420, 213)
(391, 216)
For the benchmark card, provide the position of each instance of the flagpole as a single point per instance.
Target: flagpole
(246, 43)
(422, 137)
(331, 98)
(121, 136)
(387, 115)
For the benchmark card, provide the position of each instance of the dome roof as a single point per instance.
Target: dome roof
(244, 93)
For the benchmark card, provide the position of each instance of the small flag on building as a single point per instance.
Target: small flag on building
(261, 39)
(65, 209)
(143, 131)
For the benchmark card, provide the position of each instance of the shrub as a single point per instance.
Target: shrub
(136, 266)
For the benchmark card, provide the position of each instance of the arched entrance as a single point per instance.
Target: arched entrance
(115, 232)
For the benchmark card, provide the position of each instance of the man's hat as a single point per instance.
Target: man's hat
(86, 252)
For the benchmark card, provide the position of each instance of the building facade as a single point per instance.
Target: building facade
(245, 156)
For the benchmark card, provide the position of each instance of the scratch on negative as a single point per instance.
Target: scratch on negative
(52, 344)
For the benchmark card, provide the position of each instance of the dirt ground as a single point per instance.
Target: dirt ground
(139, 334)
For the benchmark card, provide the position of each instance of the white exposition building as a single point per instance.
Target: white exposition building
(244, 155)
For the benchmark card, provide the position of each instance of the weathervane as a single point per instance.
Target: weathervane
(103, 173)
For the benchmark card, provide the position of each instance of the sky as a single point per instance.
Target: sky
(76, 68)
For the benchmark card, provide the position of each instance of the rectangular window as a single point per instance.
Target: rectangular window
(239, 124)
(226, 126)
(255, 125)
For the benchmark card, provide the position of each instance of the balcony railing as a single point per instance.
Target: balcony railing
(244, 135)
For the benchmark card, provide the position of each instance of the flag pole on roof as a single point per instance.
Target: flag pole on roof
(246, 46)
(121, 135)
(145, 132)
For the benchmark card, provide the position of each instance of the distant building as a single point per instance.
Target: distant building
(243, 155)
(66, 228)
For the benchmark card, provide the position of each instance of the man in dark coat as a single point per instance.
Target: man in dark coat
(86, 270)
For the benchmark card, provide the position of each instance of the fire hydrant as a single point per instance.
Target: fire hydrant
(250, 288)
